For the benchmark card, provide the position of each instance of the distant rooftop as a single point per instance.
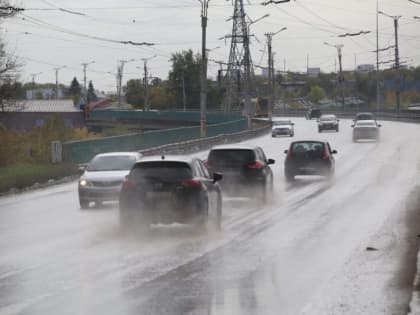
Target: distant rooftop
(36, 106)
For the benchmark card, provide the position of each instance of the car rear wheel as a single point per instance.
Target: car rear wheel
(84, 204)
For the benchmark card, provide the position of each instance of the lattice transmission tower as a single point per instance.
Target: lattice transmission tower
(240, 70)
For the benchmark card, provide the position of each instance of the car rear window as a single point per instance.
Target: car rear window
(365, 124)
(309, 147)
(165, 170)
(111, 163)
(231, 157)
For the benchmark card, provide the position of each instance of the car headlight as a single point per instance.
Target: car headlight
(83, 182)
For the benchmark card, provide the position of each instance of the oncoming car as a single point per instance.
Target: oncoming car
(169, 189)
(328, 122)
(309, 157)
(366, 130)
(282, 128)
(313, 113)
(102, 178)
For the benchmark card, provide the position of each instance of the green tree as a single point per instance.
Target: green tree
(316, 93)
(134, 93)
(91, 94)
(186, 71)
(75, 90)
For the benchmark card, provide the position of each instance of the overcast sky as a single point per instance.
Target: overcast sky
(41, 37)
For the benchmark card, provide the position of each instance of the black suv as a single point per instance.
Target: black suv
(167, 189)
(313, 113)
(246, 170)
(309, 157)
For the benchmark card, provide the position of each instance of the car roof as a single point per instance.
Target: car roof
(167, 158)
(309, 140)
(118, 154)
(364, 113)
(328, 115)
(234, 147)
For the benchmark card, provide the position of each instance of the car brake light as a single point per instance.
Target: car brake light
(191, 183)
(207, 164)
(289, 154)
(325, 155)
(128, 183)
(256, 165)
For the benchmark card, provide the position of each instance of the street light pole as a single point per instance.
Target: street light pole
(397, 59)
(33, 82)
(271, 73)
(120, 70)
(340, 76)
(203, 90)
(146, 84)
(85, 64)
(56, 80)
(377, 55)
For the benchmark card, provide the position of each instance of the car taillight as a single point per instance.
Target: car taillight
(191, 183)
(128, 183)
(289, 155)
(255, 165)
(207, 164)
(325, 155)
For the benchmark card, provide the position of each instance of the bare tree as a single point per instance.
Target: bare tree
(9, 64)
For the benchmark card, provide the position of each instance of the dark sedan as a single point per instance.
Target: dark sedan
(168, 189)
(309, 157)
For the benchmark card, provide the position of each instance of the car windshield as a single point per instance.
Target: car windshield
(314, 148)
(163, 170)
(327, 118)
(364, 117)
(111, 163)
(282, 123)
(231, 157)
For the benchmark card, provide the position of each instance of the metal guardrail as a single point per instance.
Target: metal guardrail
(192, 146)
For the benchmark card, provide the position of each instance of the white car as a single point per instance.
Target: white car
(366, 130)
(102, 179)
(283, 128)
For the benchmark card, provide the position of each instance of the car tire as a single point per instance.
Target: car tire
(336, 129)
(218, 219)
(84, 203)
(289, 177)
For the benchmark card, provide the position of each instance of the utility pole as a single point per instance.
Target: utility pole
(33, 83)
(120, 70)
(146, 84)
(271, 73)
(203, 89)
(340, 76)
(85, 64)
(397, 59)
(377, 55)
(56, 80)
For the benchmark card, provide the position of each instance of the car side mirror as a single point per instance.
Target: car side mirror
(286, 151)
(271, 161)
(334, 152)
(293, 124)
(379, 125)
(81, 169)
(217, 177)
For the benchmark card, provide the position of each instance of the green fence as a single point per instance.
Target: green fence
(83, 151)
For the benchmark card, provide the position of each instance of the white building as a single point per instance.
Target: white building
(365, 68)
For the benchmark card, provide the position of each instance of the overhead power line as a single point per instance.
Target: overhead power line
(56, 28)
(354, 34)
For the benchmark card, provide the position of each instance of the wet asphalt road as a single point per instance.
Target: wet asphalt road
(272, 259)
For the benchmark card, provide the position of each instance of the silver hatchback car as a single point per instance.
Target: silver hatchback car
(102, 179)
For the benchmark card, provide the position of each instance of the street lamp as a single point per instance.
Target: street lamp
(247, 68)
(271, 72)
(203, 89)
(33, 82)
(146, 84)
(56, 80)
(120, 70)
(397, 57)
(85, 64)
(340, 77)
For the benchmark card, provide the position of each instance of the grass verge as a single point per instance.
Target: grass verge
(23, 175)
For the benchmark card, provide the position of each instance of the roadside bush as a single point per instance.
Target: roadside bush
(22, 175)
